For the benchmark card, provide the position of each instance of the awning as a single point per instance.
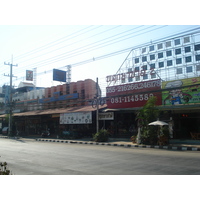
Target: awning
(57, 111)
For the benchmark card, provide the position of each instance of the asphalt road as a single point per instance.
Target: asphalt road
(30, 157)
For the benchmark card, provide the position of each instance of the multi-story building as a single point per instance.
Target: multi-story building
(38, 109)
(168, 69)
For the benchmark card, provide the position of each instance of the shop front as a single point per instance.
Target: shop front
(178, 102)
(80, 119)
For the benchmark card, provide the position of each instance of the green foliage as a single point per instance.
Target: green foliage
(3, 169)
(147, 114)
(101, 136)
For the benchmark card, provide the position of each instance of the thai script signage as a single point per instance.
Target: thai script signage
(76, 118)
(176, 92)
(133, 94)
(106, 116)
(131, 74)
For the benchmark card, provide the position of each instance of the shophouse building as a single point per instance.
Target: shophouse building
(39, 109)
(168, 69)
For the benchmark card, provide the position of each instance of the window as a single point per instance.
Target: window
(198, 67)
(136, 60)
(152, 66)
(188, 59)
(178, 61)
(169, 63)
(160, 46)
(178, 51)
(82, 94)
(137, 69)
(144, 58)
(145, 76)
(137, 78)
(197, 47)
(160, 55)
(189, 69)
(169, 53)
(151, 48)
(187, 49)
(168, 44)
(130, 70)
(186, 39)
(144, 67)
(177, 41)
(161, 64)
(130, 79)
(153, 75)
(144, 50)
(152, 57)
(197, 57)
(179, 71)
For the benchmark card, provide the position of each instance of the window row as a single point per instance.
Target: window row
(152, 66)
(160, 55)
(168, 53)
(188, 69)
(176, 61)
(166, 44)
(180, 70)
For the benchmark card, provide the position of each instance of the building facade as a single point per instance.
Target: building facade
(168, 69)
(37, 109)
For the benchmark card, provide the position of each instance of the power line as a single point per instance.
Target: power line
(71, 44)
(106, 55)
(50, 44)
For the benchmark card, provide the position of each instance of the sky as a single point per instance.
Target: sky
(48, 47)
(47, 35)
(27, 28)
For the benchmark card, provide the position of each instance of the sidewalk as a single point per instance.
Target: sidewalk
(123, 142)
(126, 143)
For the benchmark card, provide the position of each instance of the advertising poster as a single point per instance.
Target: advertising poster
(133, 94)
(29, 75)
(184, 91)
(59, 75)
(76, 118)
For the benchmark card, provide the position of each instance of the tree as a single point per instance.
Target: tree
(149, 113)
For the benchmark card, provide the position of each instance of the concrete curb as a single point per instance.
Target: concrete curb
(178, 148)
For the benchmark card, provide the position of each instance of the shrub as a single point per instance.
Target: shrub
(3, 169)
(101, 136)
(134, 138)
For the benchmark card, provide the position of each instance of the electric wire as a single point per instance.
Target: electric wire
(70, 44)
(85, 62)
(90, 60)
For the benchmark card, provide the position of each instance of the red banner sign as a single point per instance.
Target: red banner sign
(133, 94)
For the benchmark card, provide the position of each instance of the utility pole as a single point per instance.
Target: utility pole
(10, 97)
(97, 112)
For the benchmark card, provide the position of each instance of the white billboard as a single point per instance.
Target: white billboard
(76, 118)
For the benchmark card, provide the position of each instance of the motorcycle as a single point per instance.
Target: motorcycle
(45, 134)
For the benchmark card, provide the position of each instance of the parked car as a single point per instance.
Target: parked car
(5, 131)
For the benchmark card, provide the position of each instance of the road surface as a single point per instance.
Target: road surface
(30, 157)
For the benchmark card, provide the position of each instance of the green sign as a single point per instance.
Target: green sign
(184, 91)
